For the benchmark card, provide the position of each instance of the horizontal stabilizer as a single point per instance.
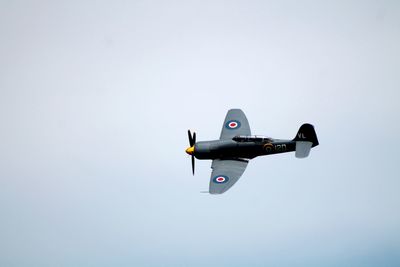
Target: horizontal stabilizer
(303, 148)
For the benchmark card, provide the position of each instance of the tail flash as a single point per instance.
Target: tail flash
(306, 138)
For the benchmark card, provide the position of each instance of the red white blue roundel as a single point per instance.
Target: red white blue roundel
(232, 124)
(220, 179)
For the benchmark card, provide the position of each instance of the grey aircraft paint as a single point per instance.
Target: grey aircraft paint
(236, 146)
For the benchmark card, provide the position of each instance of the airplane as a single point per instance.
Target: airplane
(236, 146)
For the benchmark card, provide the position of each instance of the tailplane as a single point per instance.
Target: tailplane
(306, 138)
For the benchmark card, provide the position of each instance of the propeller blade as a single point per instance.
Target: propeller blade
(193, 164)
(190, 138)
(192, 142)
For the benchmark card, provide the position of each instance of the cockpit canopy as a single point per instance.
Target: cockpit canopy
(252, 138)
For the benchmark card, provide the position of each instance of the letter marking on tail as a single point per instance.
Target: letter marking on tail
(301, 136)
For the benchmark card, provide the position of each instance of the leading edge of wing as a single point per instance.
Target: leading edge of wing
(226, 172)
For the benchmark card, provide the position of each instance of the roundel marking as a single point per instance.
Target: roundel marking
(220, 179)
(232, 124)
(268, 147)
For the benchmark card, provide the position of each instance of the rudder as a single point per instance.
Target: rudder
(305, 139)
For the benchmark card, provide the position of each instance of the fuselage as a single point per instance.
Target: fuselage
(221, 149)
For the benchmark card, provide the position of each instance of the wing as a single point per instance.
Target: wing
(235, 124)
(225, 174)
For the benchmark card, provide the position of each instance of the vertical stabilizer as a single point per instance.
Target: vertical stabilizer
(306, 138)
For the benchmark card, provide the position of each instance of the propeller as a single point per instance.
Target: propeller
(190, 150)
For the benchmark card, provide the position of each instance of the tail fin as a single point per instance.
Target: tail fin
(305, 139)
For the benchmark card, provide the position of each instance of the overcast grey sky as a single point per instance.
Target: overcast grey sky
(96, 98)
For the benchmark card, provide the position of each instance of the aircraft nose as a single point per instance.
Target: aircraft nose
(190, 150)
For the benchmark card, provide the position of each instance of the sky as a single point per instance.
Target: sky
(96, 98)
